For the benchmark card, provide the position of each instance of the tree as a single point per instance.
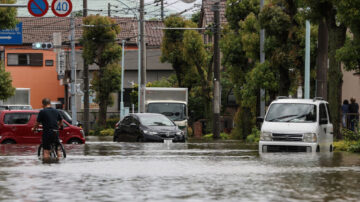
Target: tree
(6, 88)
(328, 11)
(101, 48)
(8, 15)
(7, 21)
(284, 48)
(172, 46)
(349, 14)
(238, 45)
(191, 60)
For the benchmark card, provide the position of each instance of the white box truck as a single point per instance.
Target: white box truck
(172, 102)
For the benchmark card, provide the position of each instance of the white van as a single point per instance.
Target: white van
(297, 125)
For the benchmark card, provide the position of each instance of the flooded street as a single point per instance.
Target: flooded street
(107, 171)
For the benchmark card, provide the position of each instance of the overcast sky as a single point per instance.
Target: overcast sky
(171, 6)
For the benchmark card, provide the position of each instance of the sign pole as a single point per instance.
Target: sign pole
(73, 71)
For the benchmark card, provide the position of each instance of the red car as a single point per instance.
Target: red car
(16, 125)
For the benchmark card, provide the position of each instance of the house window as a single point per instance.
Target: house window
(21, 97)
(49, 62)
(25, 59)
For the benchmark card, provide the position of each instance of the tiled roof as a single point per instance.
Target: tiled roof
(42, 29)
(208, 14)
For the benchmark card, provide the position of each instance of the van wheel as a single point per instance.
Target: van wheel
(8, 142)
(74, 141)
(331, 148)
(318, 148)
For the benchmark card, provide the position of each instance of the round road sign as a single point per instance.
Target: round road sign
(61, 8)
(38, 8)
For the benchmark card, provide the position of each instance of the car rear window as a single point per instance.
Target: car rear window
(17, 118)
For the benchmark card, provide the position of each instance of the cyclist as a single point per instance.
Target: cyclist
(51, 120)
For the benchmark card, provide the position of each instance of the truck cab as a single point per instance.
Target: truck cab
(171, 102)
(297, 125)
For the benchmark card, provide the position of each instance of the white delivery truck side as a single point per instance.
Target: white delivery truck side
(172, 102)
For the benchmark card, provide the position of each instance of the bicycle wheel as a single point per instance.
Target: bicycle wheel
(53, 153)
(40, 151)
(62, 150)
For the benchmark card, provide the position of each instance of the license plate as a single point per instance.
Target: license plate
(168, 141)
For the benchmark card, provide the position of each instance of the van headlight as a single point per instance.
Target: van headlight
(310, 137)
(179, 133)
(148, 132)
(266, 136)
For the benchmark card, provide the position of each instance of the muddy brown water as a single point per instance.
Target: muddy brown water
(226, 171)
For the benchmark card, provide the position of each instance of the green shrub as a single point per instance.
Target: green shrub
(91, 132)
(355, 147)
(107, 132)
(190, 131)
(254, 137)
(223, 136)
(110, 122)
(341, 145)
(350, 135)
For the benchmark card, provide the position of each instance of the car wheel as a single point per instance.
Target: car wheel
(318, 148)
(8, 142)
(74, 141)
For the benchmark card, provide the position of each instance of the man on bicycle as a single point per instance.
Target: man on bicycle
(51, 120)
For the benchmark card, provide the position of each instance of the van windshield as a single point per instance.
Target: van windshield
(174, 111)
(291, 112)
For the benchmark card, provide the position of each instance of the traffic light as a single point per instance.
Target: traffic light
(42, 45)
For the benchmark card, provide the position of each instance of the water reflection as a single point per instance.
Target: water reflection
(228, 171)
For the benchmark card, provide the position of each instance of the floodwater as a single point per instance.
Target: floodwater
(227, 171)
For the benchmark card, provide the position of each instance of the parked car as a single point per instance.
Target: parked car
(147, 127)
(16, 125)
(297, 125)
(66, 116)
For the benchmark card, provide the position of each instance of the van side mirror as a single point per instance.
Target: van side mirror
(323, 121)
(259, 119)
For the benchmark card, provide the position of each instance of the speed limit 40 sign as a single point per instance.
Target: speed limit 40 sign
(61, 8)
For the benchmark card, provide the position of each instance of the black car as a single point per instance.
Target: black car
(147, 127)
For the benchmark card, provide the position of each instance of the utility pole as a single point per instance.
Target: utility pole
(162, 10)
(86, 123)
(142, 58)
(109, 11)
(262, 60)
(216, 102)
(84, 8)
(73, 70)
(122, 110)
(307, 61)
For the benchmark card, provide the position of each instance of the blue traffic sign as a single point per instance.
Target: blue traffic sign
(38, 8)
(11, 36)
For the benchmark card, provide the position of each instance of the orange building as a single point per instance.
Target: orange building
(34, 75)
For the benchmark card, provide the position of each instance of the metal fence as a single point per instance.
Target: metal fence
(350, 121)
(93, 117)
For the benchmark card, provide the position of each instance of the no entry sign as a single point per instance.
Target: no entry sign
(38, 8)
(61, 8)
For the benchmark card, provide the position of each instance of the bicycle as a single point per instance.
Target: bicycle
(53, 148)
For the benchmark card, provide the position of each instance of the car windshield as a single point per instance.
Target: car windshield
(291, 112)
(155, 121)
(67, 116)
(174, 111)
